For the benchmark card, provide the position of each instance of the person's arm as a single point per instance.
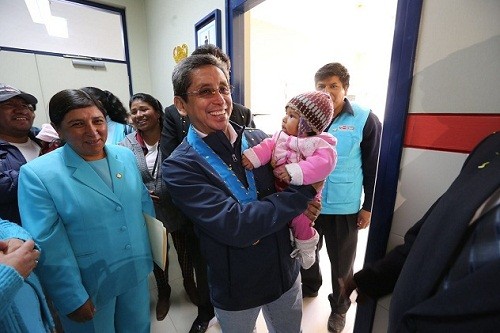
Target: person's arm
(9, 172)
(15, 265)
(205, 200)
(12, 230)
(379, 278)
(261, 153)
(319, 161)
(58, 269)
(8, 186)
(169, 140)
(10, 283)
(369, 155)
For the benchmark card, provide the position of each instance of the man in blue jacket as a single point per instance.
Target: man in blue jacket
(18, 145)
(242, 224)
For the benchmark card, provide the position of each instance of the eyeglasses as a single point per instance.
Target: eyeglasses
(209, 92)
(12, 107)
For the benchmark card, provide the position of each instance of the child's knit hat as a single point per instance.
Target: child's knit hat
(316, 110)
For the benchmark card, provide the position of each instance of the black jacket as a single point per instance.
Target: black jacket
(415, 269)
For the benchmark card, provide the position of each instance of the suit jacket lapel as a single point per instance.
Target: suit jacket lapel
(117, 169)
(442, 233)
(84, 173)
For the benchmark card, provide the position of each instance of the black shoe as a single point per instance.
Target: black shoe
(336, 322)
(199, 326)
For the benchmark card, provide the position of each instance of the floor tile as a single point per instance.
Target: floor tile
(315, 310)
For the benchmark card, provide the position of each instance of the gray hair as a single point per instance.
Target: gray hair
(182, 78)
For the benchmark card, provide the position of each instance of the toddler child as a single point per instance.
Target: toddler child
(301, 154)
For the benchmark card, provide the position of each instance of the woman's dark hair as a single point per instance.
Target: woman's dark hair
(151, 101)
(69, 99)
(114, 107)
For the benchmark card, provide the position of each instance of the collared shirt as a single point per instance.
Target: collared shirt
(232, 134)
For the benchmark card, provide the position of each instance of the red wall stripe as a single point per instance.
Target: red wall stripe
(449, 132)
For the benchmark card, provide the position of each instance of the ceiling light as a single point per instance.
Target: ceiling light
(39, 10)
(40, 13)
(57, 27)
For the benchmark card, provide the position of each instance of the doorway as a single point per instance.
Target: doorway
(281, 53)
(287, 41)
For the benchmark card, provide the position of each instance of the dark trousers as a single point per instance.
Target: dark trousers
(340, 233)
(161, 277)
(205, 307)
(183, 256)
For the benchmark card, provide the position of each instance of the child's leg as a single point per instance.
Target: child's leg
(301, 227)
(305, 251)
(306, 239)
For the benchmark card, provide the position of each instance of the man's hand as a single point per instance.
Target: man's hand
(364, 218)
(313, 210)
(23, 258)
(318, 185)
(347, 286)
(83, 313)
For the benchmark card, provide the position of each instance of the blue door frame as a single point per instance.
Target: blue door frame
(404, 47)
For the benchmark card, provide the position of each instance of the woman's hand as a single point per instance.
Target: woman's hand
(83, 313)
(13, 244)
(23, 258)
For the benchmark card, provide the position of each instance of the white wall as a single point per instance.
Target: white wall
(154, 28)
(456, 71)
(136, 18)
(171, 23)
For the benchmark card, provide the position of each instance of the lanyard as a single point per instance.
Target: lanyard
(242, 194)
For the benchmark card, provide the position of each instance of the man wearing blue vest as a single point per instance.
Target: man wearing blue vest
(358, 132)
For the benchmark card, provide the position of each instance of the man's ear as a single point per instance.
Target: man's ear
(180, 104)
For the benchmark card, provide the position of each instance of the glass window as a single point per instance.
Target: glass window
(63, 27)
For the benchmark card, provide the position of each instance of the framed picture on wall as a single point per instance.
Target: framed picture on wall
(208, 30)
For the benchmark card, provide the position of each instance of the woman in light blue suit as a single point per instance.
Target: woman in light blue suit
(83, 204)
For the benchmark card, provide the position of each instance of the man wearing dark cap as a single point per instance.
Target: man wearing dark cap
(18, 145)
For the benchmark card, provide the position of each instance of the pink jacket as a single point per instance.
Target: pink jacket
(307, 160)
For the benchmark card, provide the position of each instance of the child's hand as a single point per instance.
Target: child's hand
(281, 173)
(246, 162)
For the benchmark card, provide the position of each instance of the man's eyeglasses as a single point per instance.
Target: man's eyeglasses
(13, 107)
(209, 92)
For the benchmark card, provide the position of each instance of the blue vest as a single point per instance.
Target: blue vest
(343, 187)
